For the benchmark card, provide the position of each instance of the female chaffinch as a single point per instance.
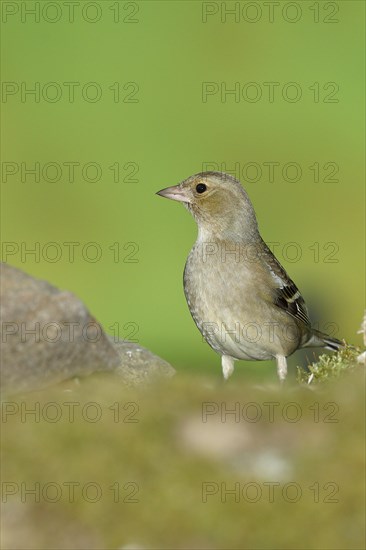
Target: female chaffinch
(239, 295)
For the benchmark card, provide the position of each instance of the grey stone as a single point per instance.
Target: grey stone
(140, 366)
(48, 335)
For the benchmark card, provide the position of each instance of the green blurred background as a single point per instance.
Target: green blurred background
(168, 133)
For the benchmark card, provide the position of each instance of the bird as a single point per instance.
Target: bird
(239, 295)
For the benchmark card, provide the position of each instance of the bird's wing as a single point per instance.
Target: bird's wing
(286, 295)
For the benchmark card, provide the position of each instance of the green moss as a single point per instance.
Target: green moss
(153, 454)
(330, 366)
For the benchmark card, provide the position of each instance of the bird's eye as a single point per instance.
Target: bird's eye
(201, 188)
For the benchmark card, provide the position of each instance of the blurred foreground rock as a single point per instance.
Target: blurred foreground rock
(48, 335)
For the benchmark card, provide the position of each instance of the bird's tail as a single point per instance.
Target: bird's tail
(320, 339)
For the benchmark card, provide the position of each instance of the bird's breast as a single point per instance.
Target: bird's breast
(218, 290)
(226, 298)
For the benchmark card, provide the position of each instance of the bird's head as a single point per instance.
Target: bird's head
(219, 204)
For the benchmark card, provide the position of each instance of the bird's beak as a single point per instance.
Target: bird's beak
(175, 193)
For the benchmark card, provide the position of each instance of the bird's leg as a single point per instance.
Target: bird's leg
(227, 363)
(281, 367)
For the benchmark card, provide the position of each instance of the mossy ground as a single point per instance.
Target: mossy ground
(329, 366)
(188, 463)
